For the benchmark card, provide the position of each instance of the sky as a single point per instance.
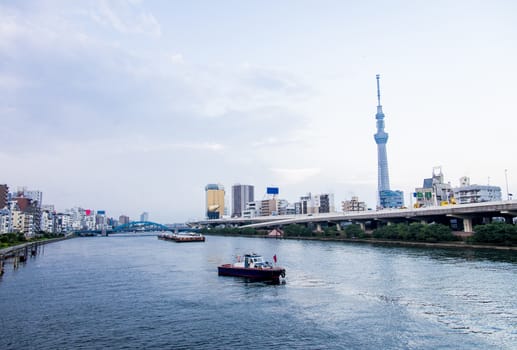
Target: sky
(133, 106)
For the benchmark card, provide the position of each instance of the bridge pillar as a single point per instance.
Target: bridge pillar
(338, 226)
(318, 227)
(467, 225)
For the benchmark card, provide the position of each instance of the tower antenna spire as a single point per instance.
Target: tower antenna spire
(378, 90)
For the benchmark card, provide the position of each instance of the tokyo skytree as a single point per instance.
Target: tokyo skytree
(381, 138)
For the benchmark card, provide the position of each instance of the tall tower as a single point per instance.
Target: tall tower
(381, 138)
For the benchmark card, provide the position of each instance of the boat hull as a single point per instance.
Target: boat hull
(255, 274)
(182, 238)
(189, 239)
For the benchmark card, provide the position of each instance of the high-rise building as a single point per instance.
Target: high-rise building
(241, 195)
(36, 196)
(269, 207)
(4, 193)
(214, 201)
(386, 197)
(306, 204)
(123, 219)
(29, 207)
(325, 202)
(144, 216)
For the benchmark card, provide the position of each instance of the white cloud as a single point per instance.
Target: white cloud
(294, 176)
(100, 82)
(177, 58)
(11, 82)
(125, 18)
(214, 147)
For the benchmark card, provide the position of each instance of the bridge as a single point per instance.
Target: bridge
(140, 226)
(133, 226)
(460, 217)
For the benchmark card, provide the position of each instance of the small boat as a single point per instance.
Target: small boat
(183, 237)
(253, 267)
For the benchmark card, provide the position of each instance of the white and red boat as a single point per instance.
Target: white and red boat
(253, 267)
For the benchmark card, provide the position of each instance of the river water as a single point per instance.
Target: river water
(128, 292)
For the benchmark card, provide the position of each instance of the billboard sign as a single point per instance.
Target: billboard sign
(101, 212)
(272, 190)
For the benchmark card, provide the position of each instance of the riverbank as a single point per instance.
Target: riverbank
(8, 252)
(455, 245)
(458, 244)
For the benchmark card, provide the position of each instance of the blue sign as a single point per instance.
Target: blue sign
(101, 212)
(272, 190)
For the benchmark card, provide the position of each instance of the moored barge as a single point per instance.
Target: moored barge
(183, 238)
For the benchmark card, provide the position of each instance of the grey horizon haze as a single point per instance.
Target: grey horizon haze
(133, 106)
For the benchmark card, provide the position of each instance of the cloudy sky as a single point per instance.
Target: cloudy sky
(132, 106)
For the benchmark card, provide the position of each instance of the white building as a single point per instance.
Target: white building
(47, 221)
(467, 193)
(315, 204)
(63, 222)
(36, 196)
(353, 205)
(252, 209)
(23, 223)
(5, 221)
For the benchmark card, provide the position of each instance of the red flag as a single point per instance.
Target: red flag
(274, 258)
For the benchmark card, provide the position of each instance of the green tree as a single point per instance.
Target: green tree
(353, 231)
(495, 233)
(295, 230)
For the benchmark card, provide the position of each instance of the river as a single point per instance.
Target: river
(138, 292)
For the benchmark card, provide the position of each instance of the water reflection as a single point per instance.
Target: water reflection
(458, 254)
(336, 296)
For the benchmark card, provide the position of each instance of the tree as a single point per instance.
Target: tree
(495, 233)
(297, 230)
(353, 230)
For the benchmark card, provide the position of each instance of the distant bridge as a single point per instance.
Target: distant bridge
(140, 226)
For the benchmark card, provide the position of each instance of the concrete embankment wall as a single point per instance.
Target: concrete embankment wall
(11, 251)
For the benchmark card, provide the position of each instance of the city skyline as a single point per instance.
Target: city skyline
(126, 106)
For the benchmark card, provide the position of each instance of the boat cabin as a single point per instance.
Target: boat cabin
(254, 261)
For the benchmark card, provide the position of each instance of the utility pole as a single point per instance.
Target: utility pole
(506, 178)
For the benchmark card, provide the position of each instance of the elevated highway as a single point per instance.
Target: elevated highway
(463, 216)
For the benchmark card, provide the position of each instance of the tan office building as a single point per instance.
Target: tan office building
(214, 201)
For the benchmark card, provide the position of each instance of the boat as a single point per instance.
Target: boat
(253, 267)
(189, 237)
(183, 237)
